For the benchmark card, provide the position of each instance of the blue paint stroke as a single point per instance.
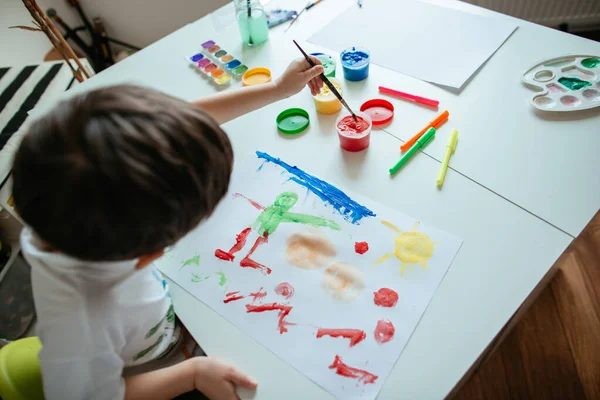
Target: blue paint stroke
(348, 208)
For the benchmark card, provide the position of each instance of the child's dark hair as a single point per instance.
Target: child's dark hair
(120, 172)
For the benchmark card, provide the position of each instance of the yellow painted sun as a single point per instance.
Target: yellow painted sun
(409, 247)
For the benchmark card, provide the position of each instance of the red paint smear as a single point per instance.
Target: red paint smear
(355, 335)
(247, 262)
(258, 295)
(284, 289)
(283, 312)
(351, 372)
(240, 242)
(256, 205)
(361, 247)
(233, 298)
(384, 332)
(385, 297)
(232, 293)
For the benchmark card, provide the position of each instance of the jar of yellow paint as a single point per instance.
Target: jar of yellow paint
(325, 101)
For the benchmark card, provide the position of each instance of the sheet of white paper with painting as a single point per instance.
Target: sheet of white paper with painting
(426, 41)
(331, 282)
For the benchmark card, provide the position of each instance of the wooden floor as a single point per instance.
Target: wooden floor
(554, 350)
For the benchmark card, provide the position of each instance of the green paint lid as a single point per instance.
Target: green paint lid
(292, 121)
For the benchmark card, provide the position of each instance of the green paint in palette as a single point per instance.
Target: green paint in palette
(573, 83)
(591, 62)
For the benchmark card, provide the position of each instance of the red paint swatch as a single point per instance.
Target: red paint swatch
(355, 335)
(232, 296)
(283, 312)
(385, 297)
(240, 242)
(258, 295)
(361, 247)
(351, 372)
(284, 289)
(256, 205)
(384, 331)
(248, 262)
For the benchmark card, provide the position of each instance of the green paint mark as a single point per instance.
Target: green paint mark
(268, 221)
(170, 317)
(198, 278)
(591, 62)
(573, 83)
(149, 349)
(191, 261)
(223, 279)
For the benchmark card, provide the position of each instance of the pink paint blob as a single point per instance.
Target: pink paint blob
(285, 290)
(384, 331)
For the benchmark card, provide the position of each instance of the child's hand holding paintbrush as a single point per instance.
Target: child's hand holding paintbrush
(297, 74)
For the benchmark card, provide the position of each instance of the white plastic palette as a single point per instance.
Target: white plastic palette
(567, 83)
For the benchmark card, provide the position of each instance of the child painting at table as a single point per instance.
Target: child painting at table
(105, 182)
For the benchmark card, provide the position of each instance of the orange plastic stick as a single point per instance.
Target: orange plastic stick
(436, 123)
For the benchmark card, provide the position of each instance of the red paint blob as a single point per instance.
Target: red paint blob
(347, 125)
(283, 312)
(258, 295)
(361, 247)
(355, 335)
(351, 372)
(284, 289)
(385, 297)
(384, 331)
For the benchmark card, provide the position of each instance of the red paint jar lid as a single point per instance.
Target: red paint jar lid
(381, 111)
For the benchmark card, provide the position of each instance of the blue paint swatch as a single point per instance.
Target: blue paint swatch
(232, 64)
(348, 208)
(197, 57)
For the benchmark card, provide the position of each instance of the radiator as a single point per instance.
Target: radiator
(578, 14)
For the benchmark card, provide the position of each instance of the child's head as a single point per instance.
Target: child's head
(120, 172)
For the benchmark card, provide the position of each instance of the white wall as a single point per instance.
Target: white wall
(139, 22)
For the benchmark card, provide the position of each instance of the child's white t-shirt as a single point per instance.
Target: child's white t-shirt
(94, 319)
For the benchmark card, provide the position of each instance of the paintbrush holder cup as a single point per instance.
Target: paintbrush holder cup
(252, 21)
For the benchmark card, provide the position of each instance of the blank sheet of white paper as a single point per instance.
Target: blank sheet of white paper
(332, 291)
(423, 40)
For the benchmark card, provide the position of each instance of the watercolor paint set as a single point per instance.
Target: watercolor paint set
(217, 64)
(566, 83)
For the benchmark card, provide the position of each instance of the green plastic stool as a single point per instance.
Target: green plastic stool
(20, 373)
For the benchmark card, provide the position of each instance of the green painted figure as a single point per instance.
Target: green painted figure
(267, 223)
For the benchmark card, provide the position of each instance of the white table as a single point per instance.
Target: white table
(507, 249)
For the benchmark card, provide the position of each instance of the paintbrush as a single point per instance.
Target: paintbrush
(250, 42)
(327, 82)
(308, 7)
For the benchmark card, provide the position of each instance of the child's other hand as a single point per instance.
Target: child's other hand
(298, 74)
(218, 379)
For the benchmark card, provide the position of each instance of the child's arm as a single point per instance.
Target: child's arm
(214, 378)
(228, 105)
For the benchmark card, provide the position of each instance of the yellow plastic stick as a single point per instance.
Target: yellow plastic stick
(450, 147)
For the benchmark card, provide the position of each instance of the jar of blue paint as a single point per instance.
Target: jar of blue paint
(355, 63)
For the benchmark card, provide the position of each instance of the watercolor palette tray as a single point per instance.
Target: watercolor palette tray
(567, 83)
(217, 64)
